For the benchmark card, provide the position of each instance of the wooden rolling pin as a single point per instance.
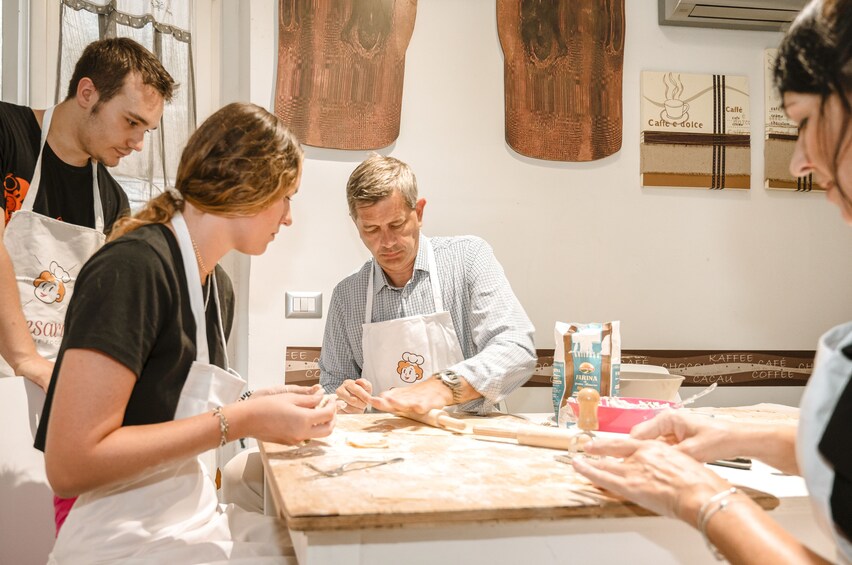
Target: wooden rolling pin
(554, 438)
(438, 419)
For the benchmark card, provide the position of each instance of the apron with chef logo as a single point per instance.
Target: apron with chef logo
(832, 370)
(47, 256)
(171, 513)
(408, 350)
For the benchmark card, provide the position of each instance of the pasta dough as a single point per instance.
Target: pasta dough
(368, 440)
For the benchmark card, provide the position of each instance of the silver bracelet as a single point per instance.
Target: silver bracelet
(223, 426)
(707, 511)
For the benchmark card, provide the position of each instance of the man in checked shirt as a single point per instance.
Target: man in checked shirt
(427, 322)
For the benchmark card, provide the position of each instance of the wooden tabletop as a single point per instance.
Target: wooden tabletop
(444, 477)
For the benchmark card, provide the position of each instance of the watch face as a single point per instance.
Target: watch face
(450, 378)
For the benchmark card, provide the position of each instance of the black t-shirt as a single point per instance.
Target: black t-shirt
(65, 191)
(131, 302)
(834, 446)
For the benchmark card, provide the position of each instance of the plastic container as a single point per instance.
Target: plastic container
(656, 386)
(622, 420)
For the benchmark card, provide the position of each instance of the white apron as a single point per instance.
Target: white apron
(408, 350)
(171, 514)
(47, 256)
(829, 378)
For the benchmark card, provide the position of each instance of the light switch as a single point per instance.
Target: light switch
(303, 305)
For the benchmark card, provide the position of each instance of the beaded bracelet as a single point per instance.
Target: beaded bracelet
(223, 425)
(707, 511)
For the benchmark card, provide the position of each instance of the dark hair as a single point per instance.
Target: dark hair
(108, 62)
(239, 161)
(814, 56)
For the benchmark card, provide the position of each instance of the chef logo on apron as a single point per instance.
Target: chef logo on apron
(410, 369)
(50, 285)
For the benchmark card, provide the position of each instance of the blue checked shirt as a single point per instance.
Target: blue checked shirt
(495, 334)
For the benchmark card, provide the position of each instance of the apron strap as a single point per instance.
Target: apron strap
(437, 296)
(32, 192)
(193, 282)
(433, 276)
(368, 310)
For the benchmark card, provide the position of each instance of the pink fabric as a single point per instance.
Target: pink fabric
(61, 508)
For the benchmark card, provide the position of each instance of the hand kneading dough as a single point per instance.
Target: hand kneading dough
(368, 440)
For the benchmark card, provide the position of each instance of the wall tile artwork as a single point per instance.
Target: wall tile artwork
(695, 131)
(562, 77)
(340, 70)
(780, 139)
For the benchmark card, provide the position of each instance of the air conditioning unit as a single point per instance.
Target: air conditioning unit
(761, 15)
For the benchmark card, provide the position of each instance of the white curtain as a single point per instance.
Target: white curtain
(163, 27)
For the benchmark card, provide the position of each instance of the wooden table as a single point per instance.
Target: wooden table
(455, 498)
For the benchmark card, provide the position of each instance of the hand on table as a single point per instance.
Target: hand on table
(418, 398)
(37, 369)
(651, 474)
(353, 396)
(703, 438)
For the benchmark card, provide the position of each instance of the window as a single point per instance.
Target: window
(163, 27)
(13, 53)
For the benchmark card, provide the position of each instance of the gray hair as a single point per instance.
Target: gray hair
(376, 178)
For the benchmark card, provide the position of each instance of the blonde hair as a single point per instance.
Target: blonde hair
(376, 178)
(239, 161)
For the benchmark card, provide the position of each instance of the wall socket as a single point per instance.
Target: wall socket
(303, 305)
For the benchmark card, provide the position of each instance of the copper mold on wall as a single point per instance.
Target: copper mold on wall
(563, 64)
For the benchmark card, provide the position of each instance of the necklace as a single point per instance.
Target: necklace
(204, 269)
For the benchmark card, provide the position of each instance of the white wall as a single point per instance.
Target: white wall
(682, 269)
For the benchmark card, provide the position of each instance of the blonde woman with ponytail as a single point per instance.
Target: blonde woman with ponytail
(142, 385)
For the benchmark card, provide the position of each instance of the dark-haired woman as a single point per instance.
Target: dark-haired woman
(814, 74)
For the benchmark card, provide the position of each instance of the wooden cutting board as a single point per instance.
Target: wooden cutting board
(445, 477)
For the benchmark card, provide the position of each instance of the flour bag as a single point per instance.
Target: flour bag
(586, 355)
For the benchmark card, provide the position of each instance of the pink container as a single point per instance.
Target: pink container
(622, 420)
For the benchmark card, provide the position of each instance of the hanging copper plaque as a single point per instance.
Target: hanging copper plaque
(562, 76)
(340, 70)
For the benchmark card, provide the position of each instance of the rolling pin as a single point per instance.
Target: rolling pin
(554, 438)
(436, 418)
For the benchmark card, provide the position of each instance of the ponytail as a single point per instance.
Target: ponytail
(159, 210)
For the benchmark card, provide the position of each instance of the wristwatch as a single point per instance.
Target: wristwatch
(453, 382)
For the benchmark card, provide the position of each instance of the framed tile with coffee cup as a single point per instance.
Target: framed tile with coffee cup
(695, 130)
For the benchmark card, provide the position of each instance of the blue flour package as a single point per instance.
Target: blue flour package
(586, 355)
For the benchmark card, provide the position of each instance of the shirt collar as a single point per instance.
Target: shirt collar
(421, 263)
